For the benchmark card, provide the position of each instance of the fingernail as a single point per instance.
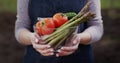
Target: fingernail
(62, 48)
(52, 53)
(48, 46)
(59, 50)
(74, 42)
(51, 50)
(36, 40)
(57, 55)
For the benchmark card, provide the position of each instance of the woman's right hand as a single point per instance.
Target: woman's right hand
(38, 45)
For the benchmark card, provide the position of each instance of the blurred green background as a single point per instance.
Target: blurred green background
(107, 50)
(8, 5)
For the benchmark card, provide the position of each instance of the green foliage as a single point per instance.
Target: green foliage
(107, 4)
(8, 5)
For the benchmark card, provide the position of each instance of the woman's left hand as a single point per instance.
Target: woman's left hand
(70, 47)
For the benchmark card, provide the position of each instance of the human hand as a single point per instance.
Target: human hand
(39, 45)
(70, 47)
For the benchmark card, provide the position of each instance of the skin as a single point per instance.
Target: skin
(72, 46)
(29, 38)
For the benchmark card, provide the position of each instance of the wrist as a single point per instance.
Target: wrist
(84, 37)
(30, 36)
(26, 37)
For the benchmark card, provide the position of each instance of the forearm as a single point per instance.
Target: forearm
(23, 23)
(92, 34)
(24, 37)
(22, 33)
(95, 26)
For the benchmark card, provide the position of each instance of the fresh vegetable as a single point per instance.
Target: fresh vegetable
(83, 11)
(59, 19)
(45, 26)
(65, 27)
(71, 30)
(87, 16)
(70, 14)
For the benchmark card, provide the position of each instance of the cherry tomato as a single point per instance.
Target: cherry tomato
(45, 26)
(59, 19)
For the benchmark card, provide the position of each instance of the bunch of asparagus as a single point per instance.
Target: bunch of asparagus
(63, 32)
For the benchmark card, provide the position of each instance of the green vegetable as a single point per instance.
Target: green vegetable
(64, 38)
(84, 18)
(70, 15)
(63, 32)
(83, 11)
(52, 42)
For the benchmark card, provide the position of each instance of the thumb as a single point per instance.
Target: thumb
(77, 39)
(34, 39)
(74, 41)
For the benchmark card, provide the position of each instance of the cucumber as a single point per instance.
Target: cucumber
(70, 14)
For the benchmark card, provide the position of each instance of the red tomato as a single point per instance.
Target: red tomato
(59, 19)
(45, 26)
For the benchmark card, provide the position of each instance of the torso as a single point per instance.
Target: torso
(47, 8)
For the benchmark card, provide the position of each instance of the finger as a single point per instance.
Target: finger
(48, 54)
(41, 47)
(45, 54)
(77, 39)
(36, 35)
(63, 53)
(70, 48)
(70, 40)
(46, 51)
(39, 38)
(34, 40)
(73, 40)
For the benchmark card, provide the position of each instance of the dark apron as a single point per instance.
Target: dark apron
(47, 8)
